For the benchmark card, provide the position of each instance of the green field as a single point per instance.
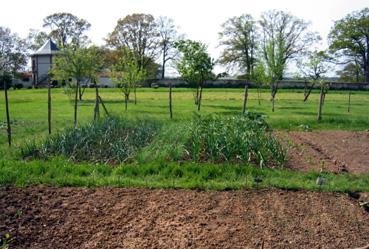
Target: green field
(28, 110)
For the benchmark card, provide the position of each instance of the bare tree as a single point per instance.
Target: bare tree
(313, 67)
(168, 36)
(36, 38)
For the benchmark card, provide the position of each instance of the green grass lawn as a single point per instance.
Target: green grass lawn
(28, 110)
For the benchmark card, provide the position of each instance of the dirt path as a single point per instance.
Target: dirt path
(334, 151)
(45, 217)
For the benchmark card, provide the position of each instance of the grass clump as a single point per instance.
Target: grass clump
(187, 175)
(241, 138)
(111, 140)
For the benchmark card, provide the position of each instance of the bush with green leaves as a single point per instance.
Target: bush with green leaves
(111, 140)
(243, 138)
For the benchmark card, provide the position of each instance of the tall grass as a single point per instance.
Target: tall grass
(111, 140)
(188, 175)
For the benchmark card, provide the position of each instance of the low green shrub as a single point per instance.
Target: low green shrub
(240, 139)
(111, 140)
(243, 138)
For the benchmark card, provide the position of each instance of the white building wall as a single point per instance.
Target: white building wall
(43, 66)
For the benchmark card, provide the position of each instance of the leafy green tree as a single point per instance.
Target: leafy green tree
(284, 38)
(12, 58)
(67, 29)
(313, 67)
(349, 39)
(352, 72)
(75, 65)
(195, 66)
(137, 32)
(239, 39)
(126, 73)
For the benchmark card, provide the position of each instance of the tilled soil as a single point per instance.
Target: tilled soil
(47, 217)
(332, 151)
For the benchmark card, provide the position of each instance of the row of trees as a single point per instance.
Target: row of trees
(245, 41)
(146, 36)
(260, 50)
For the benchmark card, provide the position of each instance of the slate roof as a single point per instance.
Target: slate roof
(48, 48)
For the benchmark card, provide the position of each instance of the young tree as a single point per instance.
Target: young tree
(260, 77)
(95, 65)
(75, 65)
(349, 39)
(275, 65)
(195, 66)
(126, 73)
(284, 38)
(12, 58)
(168, 35)
(313, 67)
(67, 29)
(239, 37)
(324, 87)
(137, 32)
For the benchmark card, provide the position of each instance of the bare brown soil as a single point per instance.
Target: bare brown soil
(333, 151)
(46, 217)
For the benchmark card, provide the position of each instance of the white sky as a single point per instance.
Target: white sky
(198, 19)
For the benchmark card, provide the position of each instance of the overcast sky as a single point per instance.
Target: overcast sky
(198, 19)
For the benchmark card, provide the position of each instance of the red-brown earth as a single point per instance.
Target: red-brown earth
(48, 217)
(332, 151)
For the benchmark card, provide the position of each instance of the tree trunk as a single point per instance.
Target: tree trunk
(76, 104)
(170, 101)
(126, 101)
(199, 100)
(79, 93)
(245, 99)
(164, 59)
(307, 92)
(367, 73)
(97, 103)
(135, 95)
(321, 100)
(49, 106)
(103, 105)
(197, 96)
(9, 130)
(274, 89)
(259, 95)
(272, 103)
(349, 102)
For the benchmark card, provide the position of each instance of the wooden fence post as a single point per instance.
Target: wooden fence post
(245, 99)
(9, 130)
(170, 101)
(49, 106)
